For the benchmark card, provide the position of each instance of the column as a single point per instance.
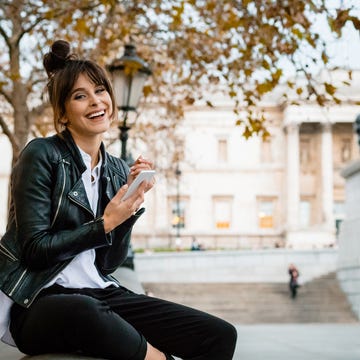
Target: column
(327, 180)
(293, 174)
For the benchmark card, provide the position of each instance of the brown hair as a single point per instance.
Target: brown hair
(63, 68)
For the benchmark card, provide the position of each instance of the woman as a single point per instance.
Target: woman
(69, 229)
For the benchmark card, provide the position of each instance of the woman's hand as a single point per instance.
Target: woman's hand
(117, 210)
(139, 165)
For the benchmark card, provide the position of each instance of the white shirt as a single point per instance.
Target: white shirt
(81, 272)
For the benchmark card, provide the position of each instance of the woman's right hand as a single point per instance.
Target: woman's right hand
(117, 210)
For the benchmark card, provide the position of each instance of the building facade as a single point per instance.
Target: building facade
(237, 193)
(233, 193)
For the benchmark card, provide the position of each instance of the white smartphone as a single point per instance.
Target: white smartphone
(143, 175)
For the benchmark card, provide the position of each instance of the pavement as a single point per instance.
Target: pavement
(314, 341)
(271, 342)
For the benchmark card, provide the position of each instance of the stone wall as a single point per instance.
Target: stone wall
(348, 271)
(234, 266)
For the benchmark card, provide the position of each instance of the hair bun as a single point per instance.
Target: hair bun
(57, 57)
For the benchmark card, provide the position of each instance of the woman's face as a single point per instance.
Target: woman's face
(88, 109)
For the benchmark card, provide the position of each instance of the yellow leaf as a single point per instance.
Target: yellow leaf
(329, 88)
(247, 133)
(264, 87)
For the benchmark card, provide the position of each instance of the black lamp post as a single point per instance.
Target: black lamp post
(129, 74)
(178, 212)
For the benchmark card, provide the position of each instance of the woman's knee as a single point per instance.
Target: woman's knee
(224, 336)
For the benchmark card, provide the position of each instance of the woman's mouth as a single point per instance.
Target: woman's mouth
(96, 114)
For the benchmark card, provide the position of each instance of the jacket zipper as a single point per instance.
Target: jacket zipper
(55, 217)
(18, 282)
(6, 252)
(61, 195)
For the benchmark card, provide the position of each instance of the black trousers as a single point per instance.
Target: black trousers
(115, 323)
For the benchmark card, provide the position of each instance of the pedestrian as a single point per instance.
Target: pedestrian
(294, 280)
(69, 229)
(195, 246)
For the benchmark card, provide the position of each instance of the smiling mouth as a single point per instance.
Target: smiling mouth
(96, 114)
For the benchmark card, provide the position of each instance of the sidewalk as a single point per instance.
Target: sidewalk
(280, 342)
(298, 342)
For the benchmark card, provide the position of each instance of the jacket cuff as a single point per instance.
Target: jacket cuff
(133, 218)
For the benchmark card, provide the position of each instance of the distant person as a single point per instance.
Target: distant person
(195, 246)
(294, 280)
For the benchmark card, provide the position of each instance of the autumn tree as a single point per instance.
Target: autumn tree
(193, 46)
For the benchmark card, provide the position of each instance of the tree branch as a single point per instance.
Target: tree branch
(9, 134)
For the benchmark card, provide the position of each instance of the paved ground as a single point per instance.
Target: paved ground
(265, 342)
(277, 342)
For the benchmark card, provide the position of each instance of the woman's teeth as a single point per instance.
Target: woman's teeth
(99, 113)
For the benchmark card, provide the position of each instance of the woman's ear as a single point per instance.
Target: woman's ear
(63, 121)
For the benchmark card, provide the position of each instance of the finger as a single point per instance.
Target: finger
(142, 160)
(137, 161)
(135, 170)
(121, 192)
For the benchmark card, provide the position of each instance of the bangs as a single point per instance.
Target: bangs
(95, 73)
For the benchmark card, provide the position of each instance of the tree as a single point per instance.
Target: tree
(193, 47)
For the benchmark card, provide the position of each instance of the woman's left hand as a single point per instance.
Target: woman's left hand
(139, 165)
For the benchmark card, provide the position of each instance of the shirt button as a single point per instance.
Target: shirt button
(75, 193)
(26, 301)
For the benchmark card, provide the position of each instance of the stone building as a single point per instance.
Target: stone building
(237, 193)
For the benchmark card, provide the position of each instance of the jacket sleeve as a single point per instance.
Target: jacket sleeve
(33, 185)
(109, 258)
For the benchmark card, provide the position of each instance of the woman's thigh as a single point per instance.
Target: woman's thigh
(177, 329)
(75, 323)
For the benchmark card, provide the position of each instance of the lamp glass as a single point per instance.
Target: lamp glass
(128, 88)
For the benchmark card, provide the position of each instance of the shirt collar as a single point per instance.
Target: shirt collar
(95, 172)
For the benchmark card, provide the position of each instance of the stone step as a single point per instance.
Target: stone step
(320, 300)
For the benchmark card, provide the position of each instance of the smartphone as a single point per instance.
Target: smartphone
(142, 176)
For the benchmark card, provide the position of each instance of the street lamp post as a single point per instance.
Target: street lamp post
(178, 212)
(129, 74)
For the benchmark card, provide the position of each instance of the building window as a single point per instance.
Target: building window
(222, 213)
(345, 150)
(305, 213)
(222, 150)
(266, 151)
(178, 218)
(305, 152)
(266, 213)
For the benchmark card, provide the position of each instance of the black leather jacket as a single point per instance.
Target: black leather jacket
(50, 219)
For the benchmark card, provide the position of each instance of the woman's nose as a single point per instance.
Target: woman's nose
(94, 100)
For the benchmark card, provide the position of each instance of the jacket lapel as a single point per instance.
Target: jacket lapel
(78, 195)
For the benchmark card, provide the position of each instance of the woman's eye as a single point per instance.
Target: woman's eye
(79, 96)
(100, 89)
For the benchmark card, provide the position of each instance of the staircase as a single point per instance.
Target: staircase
(319, 301)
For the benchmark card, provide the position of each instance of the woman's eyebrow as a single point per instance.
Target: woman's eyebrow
(77, 89)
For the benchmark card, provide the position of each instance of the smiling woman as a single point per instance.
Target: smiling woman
(88, 111)
(69, 229)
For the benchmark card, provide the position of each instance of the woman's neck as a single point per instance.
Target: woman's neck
(92, 148)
